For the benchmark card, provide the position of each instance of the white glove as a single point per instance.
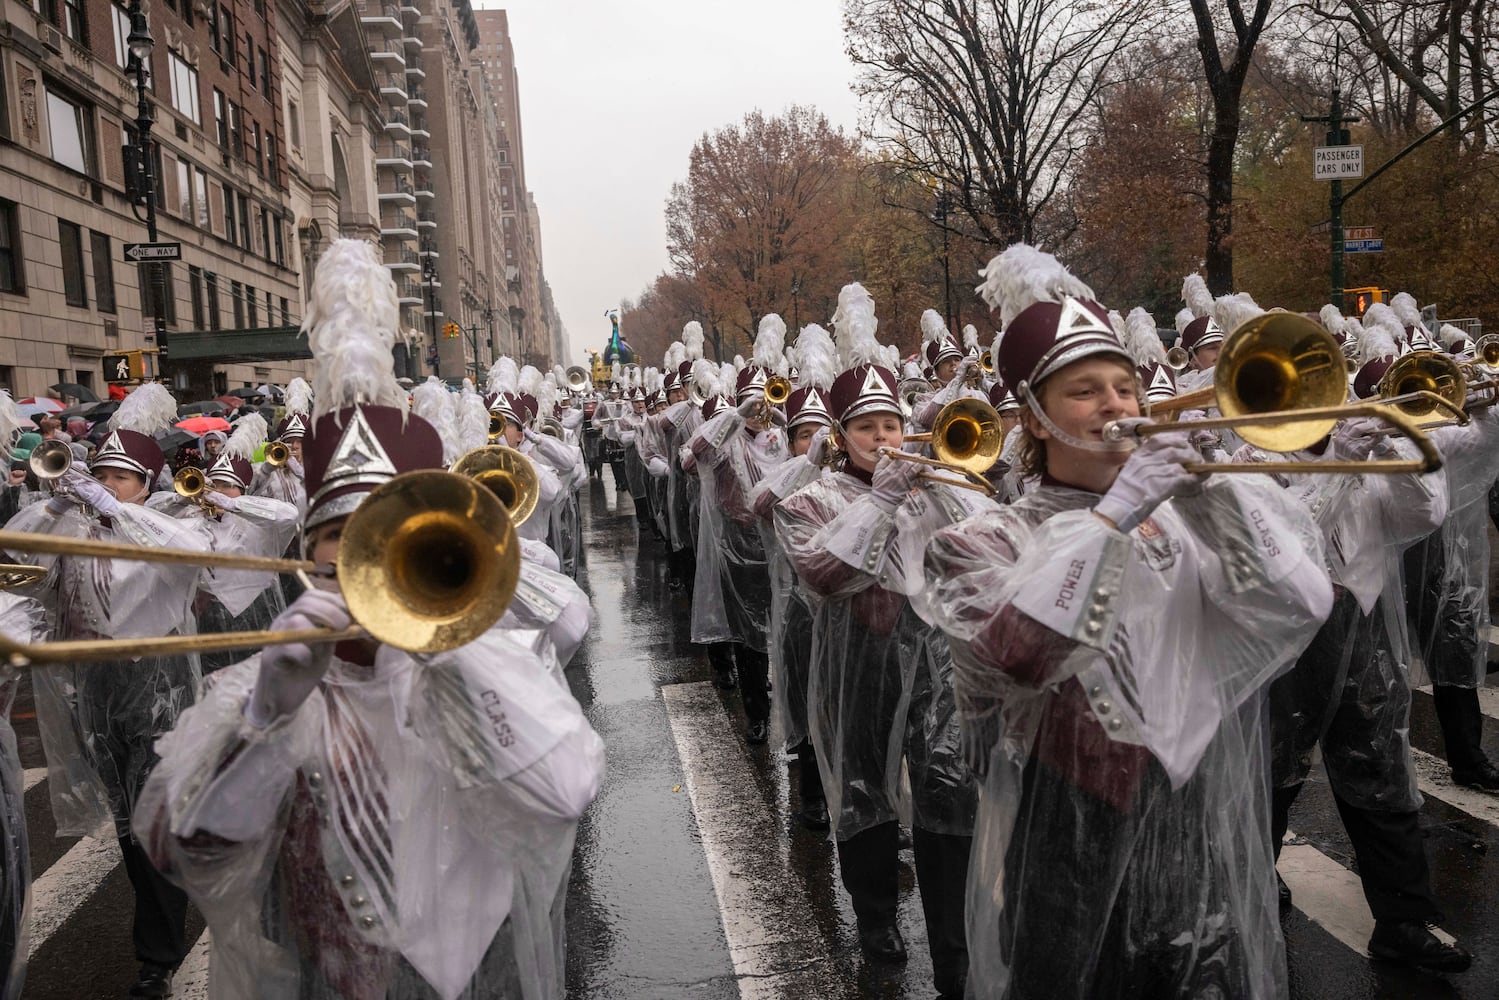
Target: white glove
(1152, 474)
(1355, 438)
(530, 435)
(290, 671)
(817, 450)
(657, 467)
(221, 501)
(92, 492)
(777, 417)
(965, 369)
(925, 413)
(1199, 439)
(750, 408)
(893, 480)
(295, 467)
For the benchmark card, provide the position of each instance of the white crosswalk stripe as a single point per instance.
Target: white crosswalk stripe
(191, 981)
(67, 884)
(34, 776)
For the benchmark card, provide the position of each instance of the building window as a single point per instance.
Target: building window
(237, 302)
(265, 73)
(285, 313)
(104, 272)
(265, 234)
(185, 88)
(200, 196)
(280, 244)
(75, 21)
(236, 132)
(71, 239)
(294, 122)
(230, 232)
(223, 38)
(121, 22)
(252, 148)
(71, 124)
(211, 292)
(272, 168)
(220, 119)
(250, 57)
(251, 306)
(12, 275)
(195, 294)
(270, 315)
(245, 227)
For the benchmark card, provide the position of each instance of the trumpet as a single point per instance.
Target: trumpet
(277, 454)
(50, 459)
(1281, 385)
(506, 473)
(428, 562)
(190, 484)
(1178, 358)
(777, 390)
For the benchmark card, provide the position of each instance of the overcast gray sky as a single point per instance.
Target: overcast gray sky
(613, 95)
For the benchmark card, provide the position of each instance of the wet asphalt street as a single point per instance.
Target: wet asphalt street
(691, 878)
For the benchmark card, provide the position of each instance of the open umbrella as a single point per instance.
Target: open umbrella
(208, 406)
(231, 402)
(174, 439)
(82, 393)
(86, 411)
(245, 392)
(40, 404)
(202, 425)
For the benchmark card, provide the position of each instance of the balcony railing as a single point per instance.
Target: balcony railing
(428, 216)
(392, 151)
(397, 185)
(397, 220)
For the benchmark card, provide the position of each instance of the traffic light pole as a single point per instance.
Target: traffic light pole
(1337, 135)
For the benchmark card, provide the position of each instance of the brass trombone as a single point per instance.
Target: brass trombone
(966, 438)
(13, 575)
(777, 390)
(506, 473)
(1281, 385)
(496, 428)
(428, 562)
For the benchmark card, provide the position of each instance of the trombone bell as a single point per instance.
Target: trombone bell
(967, 435)
(1278, 362)
(1430, 372)
(1487, 349)
(1177, 358)
(578, 379)
(506, 473)
(777, 390)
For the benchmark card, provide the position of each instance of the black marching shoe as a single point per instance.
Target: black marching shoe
(153, 983)
(1483, 776)
(1284, 891)
(813, 814)
(883, 944)
(758, 732)
(1412, 943)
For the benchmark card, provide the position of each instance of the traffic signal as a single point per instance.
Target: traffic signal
(1356, 301)
(450, 330)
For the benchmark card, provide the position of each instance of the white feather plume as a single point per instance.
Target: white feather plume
(248, 434)
(1406, 310)
(932, 327)
(728, 380)
(1383, 333)
(1232, 311)
(11, 419)
(1140, 338)
(738, 363)
(530, 380)
(890, 357)
(298, 396)
(1184, 318)
(675, 355)
(148, 410)
(1116, 323)
(472, 418)
(353, 322)
(653, 380)
(1331, 317)
(1196, 296)
(1022, 276)
(770, 343)
(692, 340)
(616, 372)
(855, 325)
(816, 357)
(971, 339)
(548, 396)
(435, 404)
(560, 374)
(504, 376)
(1453, 338)
(705, 377)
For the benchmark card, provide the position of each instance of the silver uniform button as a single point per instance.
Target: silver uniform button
(366, 922)
(1103, 708)
(1115, 725)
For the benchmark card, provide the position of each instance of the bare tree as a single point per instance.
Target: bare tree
(986, 98)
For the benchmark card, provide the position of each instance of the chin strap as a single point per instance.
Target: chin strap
(1075, 442)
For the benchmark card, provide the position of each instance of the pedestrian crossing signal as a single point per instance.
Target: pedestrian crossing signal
(450, 330)
(1358, 300)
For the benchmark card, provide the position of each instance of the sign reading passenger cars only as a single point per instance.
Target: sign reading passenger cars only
(1337, 163)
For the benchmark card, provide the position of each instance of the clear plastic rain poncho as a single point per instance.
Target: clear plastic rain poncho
(21, 620)
(550, 602)
(237, 600)
(1349, 691)
(635, 474)
(1111, 686)
(880, 681)
(406, 834)
(564, 530)
(791, 618)
(1447, 574)
(648, 441)
(731, 593)
(538, 526)
(284, 484)
(99, 721)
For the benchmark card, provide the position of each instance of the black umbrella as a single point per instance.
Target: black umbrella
(82, 393)
(245, 393)
(84, 410)
(203, 406)
(174, 439)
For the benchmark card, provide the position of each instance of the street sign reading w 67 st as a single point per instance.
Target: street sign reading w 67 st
(137, 252)
(1337, 163)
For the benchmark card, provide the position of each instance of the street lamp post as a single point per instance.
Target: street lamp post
(429, 274)
(944, 206)
(796, 303)
(140, 43)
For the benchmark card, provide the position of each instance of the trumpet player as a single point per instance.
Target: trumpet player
(1113, 631)
(356, 820)
(102, 721)
(879, 687)
(282, 480)
(508, 404)
(942, 353)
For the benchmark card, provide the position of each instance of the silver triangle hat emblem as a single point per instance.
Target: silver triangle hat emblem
(223, 464)
(358, 458)
(1077, 318)
(874, 385)
(1162, 380)
(112, 448)
(813, 403)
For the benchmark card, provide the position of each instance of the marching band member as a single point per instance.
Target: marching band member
(100, 721)
(284, 482)
(23, 620)
(358, 821)
(941, 352)
(564, 533)
(731, 603)
(808, 424)
(609, 415)
(636, 475)
(1113, 630)
(880, 678)
(506, 402)
(1199, 334)
(235, 600)
(672, 427)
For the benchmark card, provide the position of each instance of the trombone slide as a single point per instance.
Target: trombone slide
(98, 650)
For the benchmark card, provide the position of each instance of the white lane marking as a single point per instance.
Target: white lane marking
(34, 776)
(191, 980)
(1434, 776)
(774, 954)
(1329, 894)
(69, 883)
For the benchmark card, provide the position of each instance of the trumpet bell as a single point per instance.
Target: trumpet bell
(496, 427)
(968, 435)
(50, 459)
(506, 473)
(1278, 362)
(190, 483)
(429, 561)
(1428, 371)
(777, 390)
(277, 454)
(1178, 359)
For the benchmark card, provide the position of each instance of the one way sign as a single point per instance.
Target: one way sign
(137, 252)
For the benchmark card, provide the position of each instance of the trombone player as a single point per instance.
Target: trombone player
(355, 820)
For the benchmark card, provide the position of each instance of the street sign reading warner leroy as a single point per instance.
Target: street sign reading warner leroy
(1337, 163)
